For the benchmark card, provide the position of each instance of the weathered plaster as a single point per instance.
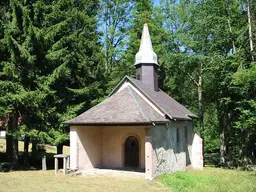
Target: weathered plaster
(148, 155)
(170, 155)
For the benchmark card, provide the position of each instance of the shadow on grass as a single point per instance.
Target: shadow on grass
(254, 173)
(34, 163)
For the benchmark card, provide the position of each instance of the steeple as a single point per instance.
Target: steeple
(146, 61)
(146, 53)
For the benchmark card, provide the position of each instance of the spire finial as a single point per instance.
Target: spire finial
(146, 53)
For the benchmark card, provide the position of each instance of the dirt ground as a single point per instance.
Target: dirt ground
(116, 173)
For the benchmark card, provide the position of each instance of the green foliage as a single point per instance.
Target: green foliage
(211, 40)
(73, 57)
(59, 58)
(50, 64)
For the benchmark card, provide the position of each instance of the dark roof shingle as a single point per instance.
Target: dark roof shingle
(124, 107)
(128, 107)
(167, 104)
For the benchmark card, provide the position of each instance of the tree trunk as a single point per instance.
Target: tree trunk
(34, 150)
(223, 139)
(12, 141)
(26, 148)
(233, 42)
(9, 145)
(246, 158)
(201, 110)
(222, 145)
(15, 157)
(60, 149)
(250, 28)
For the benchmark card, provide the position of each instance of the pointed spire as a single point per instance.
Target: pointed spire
(146, 53)
(145, 43)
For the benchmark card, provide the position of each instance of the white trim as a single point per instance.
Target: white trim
(125, 84)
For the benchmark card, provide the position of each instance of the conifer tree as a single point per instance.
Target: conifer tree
(50, 70)
(18, 72)
(73, 64)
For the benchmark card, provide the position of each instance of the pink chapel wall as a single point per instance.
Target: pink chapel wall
(89, 146)
(103, 146)
(113, 140)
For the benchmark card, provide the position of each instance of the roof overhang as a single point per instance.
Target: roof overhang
(117, 124)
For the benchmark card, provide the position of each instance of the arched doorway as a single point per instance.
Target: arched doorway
(131, 152)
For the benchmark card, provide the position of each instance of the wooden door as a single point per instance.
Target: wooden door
(131, 152)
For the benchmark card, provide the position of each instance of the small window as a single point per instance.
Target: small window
(178, 135)
(138, 76)
(186, 132)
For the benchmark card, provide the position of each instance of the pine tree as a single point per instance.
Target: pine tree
(74, 64)
(20, 93)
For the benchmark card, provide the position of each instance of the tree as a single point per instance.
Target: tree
(74, 72)
(204, 34)
(250, 27)
(114, 23)
(20, 92)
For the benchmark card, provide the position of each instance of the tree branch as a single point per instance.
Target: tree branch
(192, 78)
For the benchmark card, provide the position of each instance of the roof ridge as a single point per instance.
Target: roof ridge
(134, 81)
(138, 105)
(152, 100)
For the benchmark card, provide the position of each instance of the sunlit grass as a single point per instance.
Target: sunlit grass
(49, 148)
(210, 180)
(42, 181)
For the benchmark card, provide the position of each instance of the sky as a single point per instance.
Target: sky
(156, 2)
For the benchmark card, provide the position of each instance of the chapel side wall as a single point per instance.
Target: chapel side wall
(89, 147)
(170, 155)
(113, 140)
(197, 160)
(190, 138)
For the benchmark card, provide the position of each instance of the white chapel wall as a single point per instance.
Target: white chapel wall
(170, 155)
(73, 148)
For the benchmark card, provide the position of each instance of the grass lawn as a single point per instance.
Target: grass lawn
(49, 148)
(42, 181)
(210, 180)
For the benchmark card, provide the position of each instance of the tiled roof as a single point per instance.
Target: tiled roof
(128, 107)
(167, 104)
(123, 107)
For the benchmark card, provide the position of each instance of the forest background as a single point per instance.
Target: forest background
(58, 58)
